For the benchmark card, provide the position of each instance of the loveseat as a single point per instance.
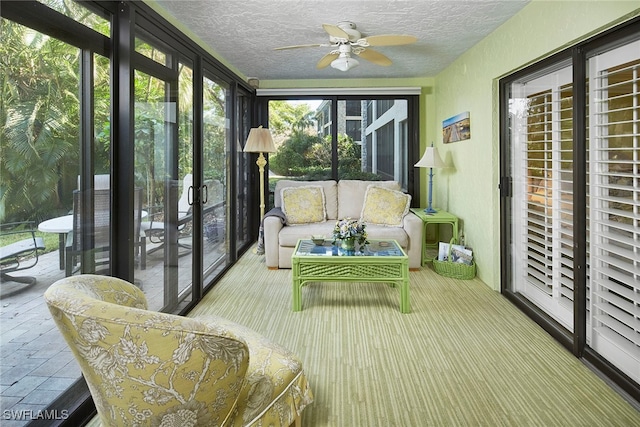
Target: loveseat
(306, 208)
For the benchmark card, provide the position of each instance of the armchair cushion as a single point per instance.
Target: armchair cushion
(385, 206)
(275, 383)
(303, 205)
(149, 368)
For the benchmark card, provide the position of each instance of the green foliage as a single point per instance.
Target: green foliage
(40, 115)
(215, 132)
(303, 155)
(287, 118)
(293, 156)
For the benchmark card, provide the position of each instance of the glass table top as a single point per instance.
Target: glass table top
(374, 248)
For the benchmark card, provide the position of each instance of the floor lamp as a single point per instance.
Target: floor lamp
(430, 159)
(260, 141)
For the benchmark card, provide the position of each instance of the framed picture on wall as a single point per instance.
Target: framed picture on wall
(456, 128)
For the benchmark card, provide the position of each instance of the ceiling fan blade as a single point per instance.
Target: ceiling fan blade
(300, 46)
(335, 31)
(375, 57)
(326, 60)
(390, 40)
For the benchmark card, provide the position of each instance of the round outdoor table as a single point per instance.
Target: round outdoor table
(61, 225)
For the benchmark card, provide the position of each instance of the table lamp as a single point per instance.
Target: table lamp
(260, 141)
(430, 159)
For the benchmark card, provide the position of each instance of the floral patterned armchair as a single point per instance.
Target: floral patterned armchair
(149, 368)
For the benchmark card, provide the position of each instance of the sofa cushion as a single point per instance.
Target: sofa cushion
(329, 187)
(381, 232)
(351, 195)
(385, 206)
(303, 205)
(288, 236)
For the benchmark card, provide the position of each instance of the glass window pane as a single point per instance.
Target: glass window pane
(302, 136)
(186, 188)
(215, 146)
(542, 153)
(165, 194)
(372, 140)
(243, 123)
(614, 199)
(151, 52)
(39, 167)
(78, 11)
(374, 144)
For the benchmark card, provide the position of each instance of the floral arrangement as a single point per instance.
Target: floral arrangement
(348, 228)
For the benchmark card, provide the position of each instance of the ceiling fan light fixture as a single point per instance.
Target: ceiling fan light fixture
(344, 63)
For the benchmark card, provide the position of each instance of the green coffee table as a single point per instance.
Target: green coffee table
(379, 261)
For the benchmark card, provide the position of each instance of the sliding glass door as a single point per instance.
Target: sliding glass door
(55, 177)
(216, 143)
(572, 214)
(541, 149)
(163, 139)
(614, 211)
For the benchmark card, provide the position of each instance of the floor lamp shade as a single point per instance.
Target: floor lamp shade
(430, 159)
(260, 141)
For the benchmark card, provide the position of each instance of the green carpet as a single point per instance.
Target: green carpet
(464, 356)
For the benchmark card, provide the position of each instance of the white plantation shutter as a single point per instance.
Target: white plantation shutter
(614, 176)
(543, 208)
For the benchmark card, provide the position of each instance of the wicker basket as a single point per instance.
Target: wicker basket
(455, 270)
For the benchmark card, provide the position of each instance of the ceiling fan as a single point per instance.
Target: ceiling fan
(347, 41)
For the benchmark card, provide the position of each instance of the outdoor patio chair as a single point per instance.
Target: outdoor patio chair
(149, 368)
(99, 244)
(19, 250)
(154, 224)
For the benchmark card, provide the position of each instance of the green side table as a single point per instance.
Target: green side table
(440, 217)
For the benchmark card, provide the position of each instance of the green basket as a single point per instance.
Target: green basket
(455, 270)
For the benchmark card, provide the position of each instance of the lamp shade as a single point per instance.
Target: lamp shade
(259, 141)
(430, 159)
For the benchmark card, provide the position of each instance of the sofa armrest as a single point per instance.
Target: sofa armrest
(413, 226)
(272, 226)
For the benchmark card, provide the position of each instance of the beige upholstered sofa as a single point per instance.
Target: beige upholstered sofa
(342, 199)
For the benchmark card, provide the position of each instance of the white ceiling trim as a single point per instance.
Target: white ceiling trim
(370, 91)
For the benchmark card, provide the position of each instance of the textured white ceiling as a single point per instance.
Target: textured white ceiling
(245, 32)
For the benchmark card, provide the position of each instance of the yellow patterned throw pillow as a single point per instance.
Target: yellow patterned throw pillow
(303, 205)
(384, 206)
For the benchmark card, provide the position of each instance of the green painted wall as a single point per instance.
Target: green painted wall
(469, 188)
